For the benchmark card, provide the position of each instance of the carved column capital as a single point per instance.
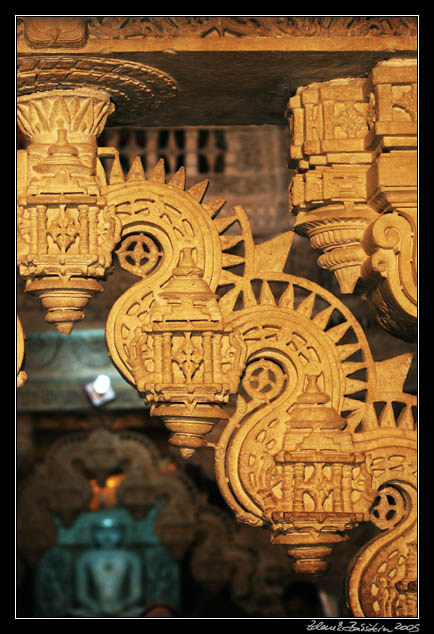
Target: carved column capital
(331, 127)
(354, 141)
(64, 223)
(66, 229)
(389, 273)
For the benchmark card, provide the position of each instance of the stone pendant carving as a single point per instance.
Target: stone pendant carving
(167, 334)
(66, 230)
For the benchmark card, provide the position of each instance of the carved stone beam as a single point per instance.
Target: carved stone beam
(355, 189)
(66, 229)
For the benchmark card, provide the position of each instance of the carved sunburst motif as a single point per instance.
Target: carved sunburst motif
(233, 267)
(267, 295)
(171, 217)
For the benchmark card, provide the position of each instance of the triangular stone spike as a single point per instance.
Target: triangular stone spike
(249, 298)
(406, 419)
(116, 172)
(229, 241)
(227, 277)
(305, 307)
(136, 172)
(347, 350)
(221, 224)
(198, 190)
(370, 421)
(272, 255)
(337, 332)
(287, 298)
(158, 174)
(266, 297)
(387, 417)
(213, 207)
(231, 260)
(322, 319)
(355, 418)
(391, 373)
(354, 385)
(351, 404)
(178, 179)
(352, 366)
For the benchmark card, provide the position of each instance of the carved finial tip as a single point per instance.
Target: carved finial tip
(186, 453)
(65, 327)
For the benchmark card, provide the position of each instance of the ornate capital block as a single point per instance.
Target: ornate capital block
(66, 231)
(66, 228)
(355, 144)
(390, 271)
(331, 136)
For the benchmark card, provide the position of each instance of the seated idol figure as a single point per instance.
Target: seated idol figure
(108, 577)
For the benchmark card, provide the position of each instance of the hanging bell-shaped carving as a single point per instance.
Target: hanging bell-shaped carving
(66, 231)
(184, 359)
(317, 462)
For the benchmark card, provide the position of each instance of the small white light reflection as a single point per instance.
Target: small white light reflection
(100, 390)
(102, 384)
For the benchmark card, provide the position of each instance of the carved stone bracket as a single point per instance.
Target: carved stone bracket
(317, 437)
(355, 144)
(66, 229)
(382, 579)
(205, 327)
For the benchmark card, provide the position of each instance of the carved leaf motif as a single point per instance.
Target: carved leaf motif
(249, 26)
(352, 122)
(64, 229)
(407, 101)
(59, 112)
(189, 357)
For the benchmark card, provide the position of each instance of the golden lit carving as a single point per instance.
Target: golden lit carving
(21, 345)
(355, 143)
(73, 32)
(166, 334)
(317, 436)
(204, 326)
(66, 231)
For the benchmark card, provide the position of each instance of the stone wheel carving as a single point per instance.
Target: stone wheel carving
(388, 508)
(263, 380)
(140, 254)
